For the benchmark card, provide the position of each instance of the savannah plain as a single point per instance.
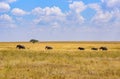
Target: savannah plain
(64, 61)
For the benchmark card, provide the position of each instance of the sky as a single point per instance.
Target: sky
(59, 20)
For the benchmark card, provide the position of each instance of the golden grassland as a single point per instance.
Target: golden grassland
(64, 61)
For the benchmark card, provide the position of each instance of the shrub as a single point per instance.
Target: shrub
(34, 41)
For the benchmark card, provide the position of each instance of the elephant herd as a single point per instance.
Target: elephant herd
(23, 47)
(79, 48)
(101, 48)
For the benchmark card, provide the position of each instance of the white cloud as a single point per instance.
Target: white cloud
(11, 1)
(4, 7)
(5, 18)
(77, 6)
(47, 11)
(74, 16)
(74, 19)
(117, 13)
(113, 6)
(53, 11)
(116, 16)
(53, 16)
(48, 15)
(18, 12)
(102, 17)
(112, 3)
(96, 7)
(37, 11)
(8, 1)
(6, 21)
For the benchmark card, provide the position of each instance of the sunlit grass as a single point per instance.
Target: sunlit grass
(65, 61)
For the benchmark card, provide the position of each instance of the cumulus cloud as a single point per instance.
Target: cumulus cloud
(116, 16)
(6, 21)
(37, 11)
(74, 15)
(18, 12)
(5, 18)
(47, 11)
(11, 1)
(77, 6)
(53, 20)
(53, 11)
(48, 15)
(4, 7)
(74, 19)
(102, 17)
(54, 17)
(96, 7)
(112, 3)
(8, 1)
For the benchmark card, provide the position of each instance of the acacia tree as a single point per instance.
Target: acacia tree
(34, 41)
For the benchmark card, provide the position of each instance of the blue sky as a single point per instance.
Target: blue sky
(60, 20)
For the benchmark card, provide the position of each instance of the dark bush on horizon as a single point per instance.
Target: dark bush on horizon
(34, 41)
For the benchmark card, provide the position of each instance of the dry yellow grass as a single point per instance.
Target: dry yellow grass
(65, 61)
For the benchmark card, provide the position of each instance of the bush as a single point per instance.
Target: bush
(34, 41)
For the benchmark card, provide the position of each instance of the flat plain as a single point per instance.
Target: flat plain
(64, 61)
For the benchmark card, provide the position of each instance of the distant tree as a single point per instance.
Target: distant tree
(34, 41)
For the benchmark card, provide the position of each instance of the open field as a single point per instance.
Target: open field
(64, 61)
